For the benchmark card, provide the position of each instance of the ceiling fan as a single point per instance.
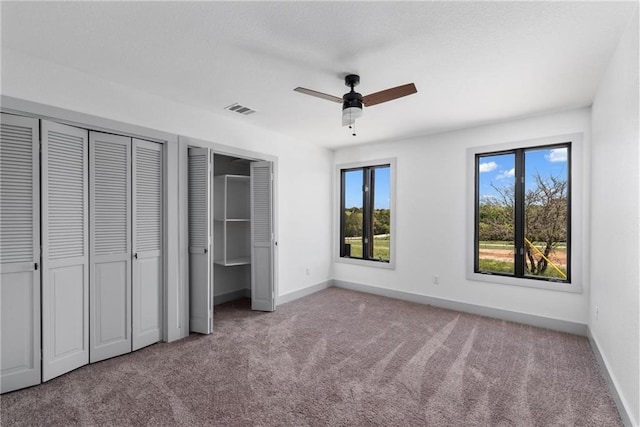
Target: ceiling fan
(352, 101)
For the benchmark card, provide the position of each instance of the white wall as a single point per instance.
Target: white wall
(304, 170)
(615, 217)
(431, 217)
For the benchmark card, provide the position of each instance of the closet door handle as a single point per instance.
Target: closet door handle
(135, 256)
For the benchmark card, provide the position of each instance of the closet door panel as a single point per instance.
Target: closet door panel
(19, 253)
(200, 285)
(65, 245)
(262, 243)
(67, 299)
(148, 206)
(110, 284)
(110, 298)
(148, 276)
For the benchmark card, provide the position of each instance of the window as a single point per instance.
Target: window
(523, 213)
(365, 212)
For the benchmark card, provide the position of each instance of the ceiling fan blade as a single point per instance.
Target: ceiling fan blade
(318, 94)
(389, 94)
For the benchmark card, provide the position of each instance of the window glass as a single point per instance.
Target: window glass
(353, 213)
(381, 213)
(546, 212)
(496, 213)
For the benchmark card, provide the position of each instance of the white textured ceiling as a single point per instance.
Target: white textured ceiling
(472, 62)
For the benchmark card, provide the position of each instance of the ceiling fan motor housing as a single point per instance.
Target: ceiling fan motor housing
(352, 100)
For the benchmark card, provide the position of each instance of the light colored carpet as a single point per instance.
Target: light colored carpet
(337, 358)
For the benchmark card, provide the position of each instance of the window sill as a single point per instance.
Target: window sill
(524, 282)
(367, 263)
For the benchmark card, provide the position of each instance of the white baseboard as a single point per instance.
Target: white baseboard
(496, 313)
(291, 296)
(622, 410)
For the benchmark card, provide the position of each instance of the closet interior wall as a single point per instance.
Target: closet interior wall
(229, 282)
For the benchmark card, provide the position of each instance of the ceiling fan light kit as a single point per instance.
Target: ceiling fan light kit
(353, 102)
(350, 114)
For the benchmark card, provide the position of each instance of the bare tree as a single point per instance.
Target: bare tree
(545, 207)
(545, 220)
(500, 213)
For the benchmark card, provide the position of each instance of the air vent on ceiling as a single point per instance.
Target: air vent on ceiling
(240, 109)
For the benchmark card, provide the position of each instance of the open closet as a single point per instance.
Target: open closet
(230, 234)
(231, 228)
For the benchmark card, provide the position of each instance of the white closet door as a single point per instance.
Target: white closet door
(200, 285)
(262, 242)
(110, 270)
(19, 252)
(65, 245)
(147, 242)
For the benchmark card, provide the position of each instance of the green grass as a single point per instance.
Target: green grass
(380, 247)
(495, 266)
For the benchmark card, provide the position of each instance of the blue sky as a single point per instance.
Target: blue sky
(353, 187)
(499, 169)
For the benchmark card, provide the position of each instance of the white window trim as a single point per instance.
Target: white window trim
(391, 265)
(578, 236)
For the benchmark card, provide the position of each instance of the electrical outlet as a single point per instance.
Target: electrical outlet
(597, 312)
(436, 279)
(308, 271)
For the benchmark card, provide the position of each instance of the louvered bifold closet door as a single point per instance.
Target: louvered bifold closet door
(110, 272)
(262, 242)
(200, 285)
(147, 242)
(65, 246)
(19, 252)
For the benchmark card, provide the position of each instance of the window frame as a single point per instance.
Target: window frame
(574, 222)
(366, 166)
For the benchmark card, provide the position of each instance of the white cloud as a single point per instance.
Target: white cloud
(507, 174)
(488, 167)
(557, 155)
